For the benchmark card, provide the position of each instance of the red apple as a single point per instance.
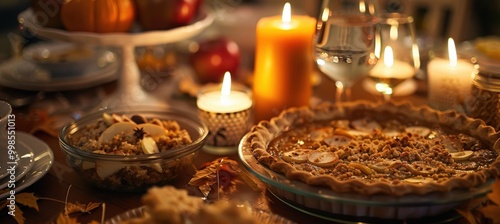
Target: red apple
(166, 14)
(215, 57)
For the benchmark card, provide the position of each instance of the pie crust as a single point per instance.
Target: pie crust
(263, 141)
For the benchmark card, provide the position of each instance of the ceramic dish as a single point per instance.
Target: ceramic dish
(43, 158)
(380, 207)
(263, 217)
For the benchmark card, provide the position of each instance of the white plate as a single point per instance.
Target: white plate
(21, 74)
(43, 158)
(24, 161)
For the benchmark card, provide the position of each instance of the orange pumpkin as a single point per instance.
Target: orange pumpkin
(99, 16)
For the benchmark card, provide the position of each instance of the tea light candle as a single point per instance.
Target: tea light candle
(227, 113)
(283, 63)
(225, 100)
(449, 80)
(392, 68)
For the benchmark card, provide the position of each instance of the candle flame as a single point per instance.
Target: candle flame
(226, 84)
(226, 88)
(388, 56)
(452, 52)
(286, 17)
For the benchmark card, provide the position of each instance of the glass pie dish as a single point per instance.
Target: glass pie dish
(318, 200)
(129, 172)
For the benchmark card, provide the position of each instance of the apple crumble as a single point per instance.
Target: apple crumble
(136, 135)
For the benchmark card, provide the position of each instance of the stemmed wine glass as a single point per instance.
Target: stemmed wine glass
(345, 42)
(399, 58)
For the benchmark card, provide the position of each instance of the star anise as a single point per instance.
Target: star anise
(139, 133)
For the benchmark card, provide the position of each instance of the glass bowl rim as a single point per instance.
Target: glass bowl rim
(193, 121)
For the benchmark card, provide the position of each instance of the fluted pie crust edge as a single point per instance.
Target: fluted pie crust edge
(263, 133)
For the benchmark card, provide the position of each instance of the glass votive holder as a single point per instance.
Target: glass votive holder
(227, 115)
(449, 81)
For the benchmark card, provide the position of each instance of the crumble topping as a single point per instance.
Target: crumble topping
(369, 148)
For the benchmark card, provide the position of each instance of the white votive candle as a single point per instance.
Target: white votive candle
(449, 80)
(217, 103)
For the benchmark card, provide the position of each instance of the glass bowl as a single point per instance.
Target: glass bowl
(129, 173)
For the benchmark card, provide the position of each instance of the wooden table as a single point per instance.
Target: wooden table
(61, 178)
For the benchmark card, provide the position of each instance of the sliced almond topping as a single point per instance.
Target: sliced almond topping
(418, 180)
(462, 155)
(125, 118)
(157, 167)
(156, 121)
(108, 118)
(116, 118)
(379, 168)
(149, 146)
(365, 169)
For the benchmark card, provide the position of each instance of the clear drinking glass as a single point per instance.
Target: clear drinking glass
(399, 58)
(345, 42)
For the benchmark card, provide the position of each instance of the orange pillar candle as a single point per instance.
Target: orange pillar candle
(283, 63)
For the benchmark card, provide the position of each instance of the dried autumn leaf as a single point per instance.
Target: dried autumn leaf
(64, 219)
(73, 208)
(492, 211)
(19, 216)
(28, 199)
(466, 210)
(468, 215)
(91, 206)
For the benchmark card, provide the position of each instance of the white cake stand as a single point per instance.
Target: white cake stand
(129, 91)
